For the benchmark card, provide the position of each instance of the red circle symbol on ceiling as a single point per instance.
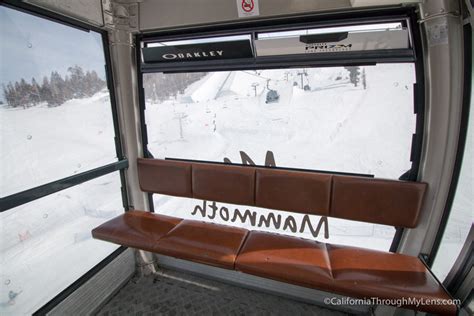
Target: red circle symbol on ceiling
(247, 5)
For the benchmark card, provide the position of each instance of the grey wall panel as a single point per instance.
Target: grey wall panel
(95, 292)
(175, 13)
(89, 11)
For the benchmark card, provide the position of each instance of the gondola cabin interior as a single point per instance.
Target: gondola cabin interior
(226, 157)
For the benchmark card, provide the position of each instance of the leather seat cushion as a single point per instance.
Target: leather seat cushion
(136, 229)
(208, 243)
(295, 191)
(285, 258)
(368, 273)
(165, 177)
(223, 183)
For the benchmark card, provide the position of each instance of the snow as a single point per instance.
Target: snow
(305, 129)
(46, 244)
(43, 144)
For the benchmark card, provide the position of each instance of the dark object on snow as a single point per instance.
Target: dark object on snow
(295, 84)
(307, 88)
(272, 96)
(364, 79)
(354, 74)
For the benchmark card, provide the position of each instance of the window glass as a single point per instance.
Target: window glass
(46, 244)
(344, 119)
(55, 110)
(461, 217)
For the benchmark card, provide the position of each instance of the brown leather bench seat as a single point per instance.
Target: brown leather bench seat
(344, 270)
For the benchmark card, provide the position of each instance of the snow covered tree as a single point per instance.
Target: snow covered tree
(35, 95)
(354, 73)
(76, 81)
(54, 90)
(93, 82)
(45, 91)
(159, 87)
(58, 89)
(25, 93)
(9, 94)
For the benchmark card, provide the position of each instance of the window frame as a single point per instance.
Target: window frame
(35, 193)
(450, 282)
(25, 196)
(405, 14)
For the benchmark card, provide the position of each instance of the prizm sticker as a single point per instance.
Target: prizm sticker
(327, 47)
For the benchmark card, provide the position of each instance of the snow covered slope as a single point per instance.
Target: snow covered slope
(46, 244)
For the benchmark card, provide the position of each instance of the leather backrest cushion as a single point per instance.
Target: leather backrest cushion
(294, 191)
(389, 202)
(224, 183)
(165, 177)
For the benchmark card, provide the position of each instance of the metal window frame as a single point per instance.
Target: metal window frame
(281, 61)
(407, 14)
(41, 191)
(419, 110)
(467, 94)
(120, 165)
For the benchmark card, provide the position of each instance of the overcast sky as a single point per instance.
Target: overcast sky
(33, 47)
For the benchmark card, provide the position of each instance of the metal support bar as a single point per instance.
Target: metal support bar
(444, 64)
(20, 198)
(122, 52)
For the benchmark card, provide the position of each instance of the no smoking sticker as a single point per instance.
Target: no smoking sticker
(247, 8)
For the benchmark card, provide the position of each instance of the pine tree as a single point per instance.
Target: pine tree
(35, 96)
(8, 94)
(76, 82)
(45, 91)
(25, 93)
(54, 90)
(96, 83)
(159, 87)
(58, 89)
(354, 73)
